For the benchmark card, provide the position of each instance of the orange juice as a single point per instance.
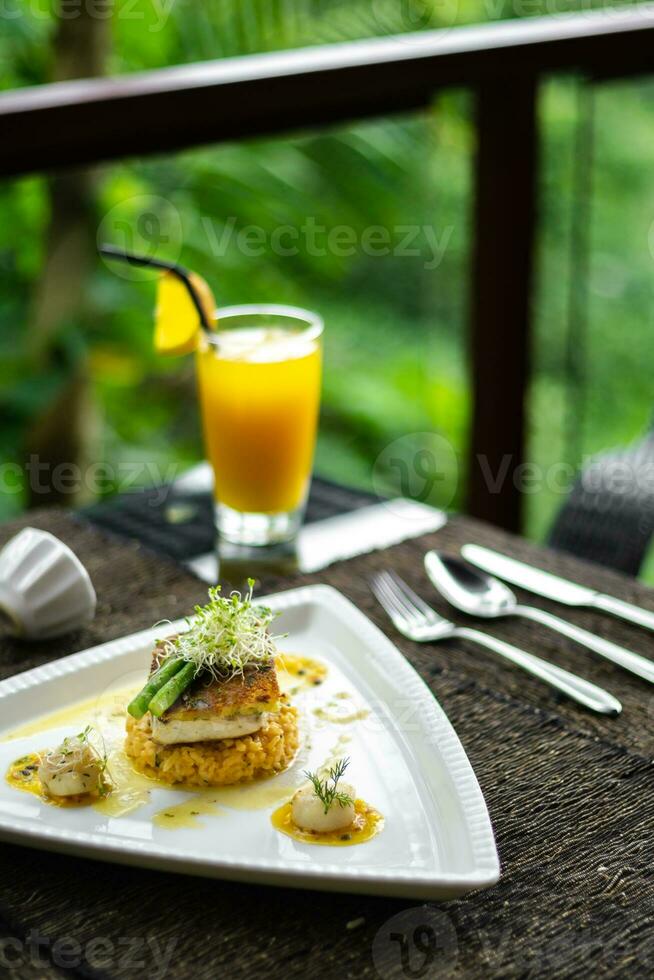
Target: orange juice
(260, 393)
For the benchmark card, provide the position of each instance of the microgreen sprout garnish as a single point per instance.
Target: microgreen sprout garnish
(327, 789)
(226, 636)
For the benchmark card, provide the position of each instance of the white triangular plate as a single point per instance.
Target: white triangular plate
(406, 761)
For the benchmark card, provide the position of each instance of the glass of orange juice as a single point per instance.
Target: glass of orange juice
(259, 384)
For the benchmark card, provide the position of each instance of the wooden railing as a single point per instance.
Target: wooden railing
(73, 123)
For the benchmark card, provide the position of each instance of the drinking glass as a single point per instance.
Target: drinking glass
(259, 385)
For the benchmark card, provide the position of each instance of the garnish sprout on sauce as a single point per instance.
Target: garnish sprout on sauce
(76, 768)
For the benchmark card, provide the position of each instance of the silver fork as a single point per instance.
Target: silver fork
(419, 622)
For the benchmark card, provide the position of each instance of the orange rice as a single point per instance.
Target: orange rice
(222, 763)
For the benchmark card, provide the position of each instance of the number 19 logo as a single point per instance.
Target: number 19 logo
(420, 466)
(417, 943)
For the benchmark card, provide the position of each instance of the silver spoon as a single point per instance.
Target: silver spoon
(473, 592)
(419, 622)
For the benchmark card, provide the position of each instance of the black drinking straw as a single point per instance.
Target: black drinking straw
(111, 252)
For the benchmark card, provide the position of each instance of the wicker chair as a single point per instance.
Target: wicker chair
(609, 516)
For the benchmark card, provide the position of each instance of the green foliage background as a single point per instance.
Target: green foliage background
(396, 350)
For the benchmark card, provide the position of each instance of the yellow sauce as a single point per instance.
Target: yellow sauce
(335, 753)
(295, 673)
(245, 796)
(367, 824)
(258, 795)
(130, 790)
(23, 774)
(186, 814)
(341, 710)
(105, 709)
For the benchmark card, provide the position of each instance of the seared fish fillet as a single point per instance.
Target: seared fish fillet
(211, 709)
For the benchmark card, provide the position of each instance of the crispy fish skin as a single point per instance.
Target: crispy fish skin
(252, 693)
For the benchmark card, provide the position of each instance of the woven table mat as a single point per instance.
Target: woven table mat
(570, 796)
(181, 525)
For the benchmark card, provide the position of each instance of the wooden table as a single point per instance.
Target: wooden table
(570, 795)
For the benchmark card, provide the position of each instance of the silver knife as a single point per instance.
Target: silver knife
(553, 587)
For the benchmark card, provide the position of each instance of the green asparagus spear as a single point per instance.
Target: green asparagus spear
(139, 705)
(169, 693)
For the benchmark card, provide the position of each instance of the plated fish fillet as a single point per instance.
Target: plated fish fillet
(214, 709)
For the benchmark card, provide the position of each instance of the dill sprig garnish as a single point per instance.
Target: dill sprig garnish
(326, 789)
(226, 635)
